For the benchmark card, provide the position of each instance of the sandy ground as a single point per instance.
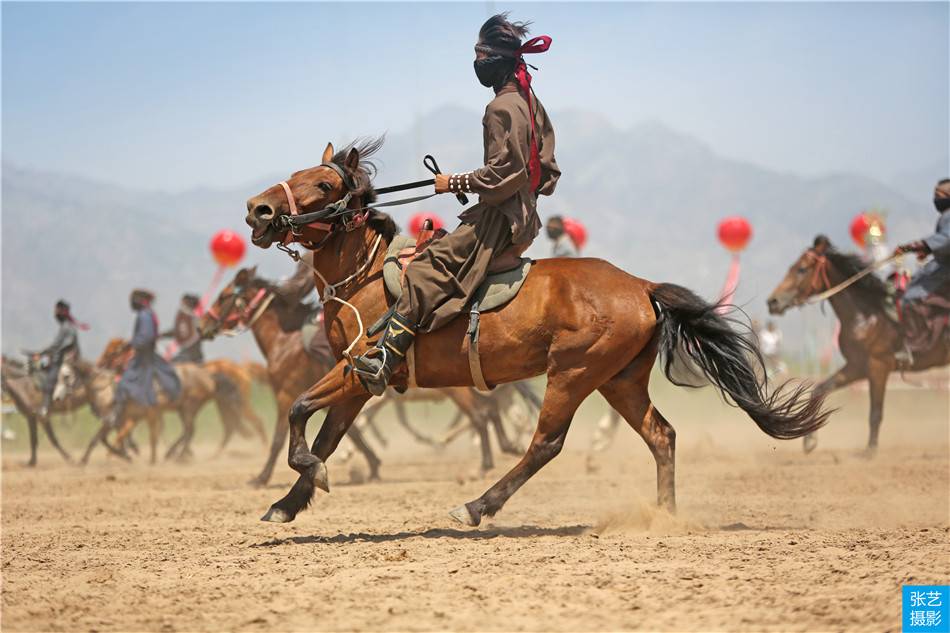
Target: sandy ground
(766, 538)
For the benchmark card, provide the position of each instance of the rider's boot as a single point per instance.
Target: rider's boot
(377, 364)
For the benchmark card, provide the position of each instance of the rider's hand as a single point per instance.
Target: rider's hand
(920, 247)
(442, 183)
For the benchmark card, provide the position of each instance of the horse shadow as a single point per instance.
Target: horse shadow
(522, 531)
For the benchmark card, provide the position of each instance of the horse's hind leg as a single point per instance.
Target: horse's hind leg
(284, 401)
(493, 413)
(371, 458)
(48, 428)
(465, 400)
(31, 425)
(628, 394)
(154, 430)
(564, 394)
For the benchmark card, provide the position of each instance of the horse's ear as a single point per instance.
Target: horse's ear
(327, 153)
(352, 161)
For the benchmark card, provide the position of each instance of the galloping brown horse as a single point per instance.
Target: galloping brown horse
(276, 325)
(584, 323)
(869, 336)
(199, 386)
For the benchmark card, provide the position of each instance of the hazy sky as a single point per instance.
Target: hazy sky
(174, 95)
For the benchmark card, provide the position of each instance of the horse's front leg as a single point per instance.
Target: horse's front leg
(345, 396)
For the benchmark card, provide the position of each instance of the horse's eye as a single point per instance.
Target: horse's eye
(802, 270)
(325, 187)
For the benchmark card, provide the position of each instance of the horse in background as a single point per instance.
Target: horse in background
(869, 336)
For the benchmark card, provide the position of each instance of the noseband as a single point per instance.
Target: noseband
(295, 223)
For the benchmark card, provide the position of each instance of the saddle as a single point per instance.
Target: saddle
(497, 290)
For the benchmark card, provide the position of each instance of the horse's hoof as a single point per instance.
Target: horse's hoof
(276, 515)
(257, 482)
(321, 478)
(464, 516)
(870, 452)
(809, 443)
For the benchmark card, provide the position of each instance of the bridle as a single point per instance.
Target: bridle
(295, 223)
(819, 276)
(248, 312)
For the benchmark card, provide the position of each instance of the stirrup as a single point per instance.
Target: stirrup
(378, 374)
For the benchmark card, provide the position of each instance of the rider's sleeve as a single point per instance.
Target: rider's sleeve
(550, 172)
(505, 170)
(144, 336)
(939, 242)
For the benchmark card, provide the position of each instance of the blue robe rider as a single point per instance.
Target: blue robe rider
(146, 366)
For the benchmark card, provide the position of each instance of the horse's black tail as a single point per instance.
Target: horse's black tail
(713, 347)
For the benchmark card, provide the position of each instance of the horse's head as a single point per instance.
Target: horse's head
(234, 305)
(805, 278)
(330, 197)
(115, 355)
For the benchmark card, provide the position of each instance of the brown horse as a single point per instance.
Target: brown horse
(19, 382)
(276, 328)
(869, 336)
(584, 323)
(199, 386)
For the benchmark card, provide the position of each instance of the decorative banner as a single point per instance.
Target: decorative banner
(734, 233)
(416, 222)
(577, 232)
(729, 288)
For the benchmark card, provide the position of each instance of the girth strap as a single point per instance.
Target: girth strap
(474, 360)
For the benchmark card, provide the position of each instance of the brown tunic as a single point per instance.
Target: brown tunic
(440, 283)
(503, 183)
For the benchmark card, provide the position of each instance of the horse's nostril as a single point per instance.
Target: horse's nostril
(263, 212)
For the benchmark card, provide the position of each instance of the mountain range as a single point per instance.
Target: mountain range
(651, 198)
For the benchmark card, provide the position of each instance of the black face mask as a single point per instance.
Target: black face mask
(492, 72)
(942, 204)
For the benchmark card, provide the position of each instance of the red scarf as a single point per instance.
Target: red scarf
(535, 45)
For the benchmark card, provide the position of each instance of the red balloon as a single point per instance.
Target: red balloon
(864, 225)
(734, 233)
(576, 231)
(227, 247)
(416, 221)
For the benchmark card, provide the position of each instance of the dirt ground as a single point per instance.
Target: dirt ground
(766, 538)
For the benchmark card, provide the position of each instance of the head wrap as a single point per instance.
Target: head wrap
(522, 77)
(62, 312)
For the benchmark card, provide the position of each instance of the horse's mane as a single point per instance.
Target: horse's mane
(870, 291)
(363, 178)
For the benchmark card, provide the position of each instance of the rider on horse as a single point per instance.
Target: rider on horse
(929, 290)
(185, 331)
(63, 350)
(561, 243)
(519, 166)
(146, 365)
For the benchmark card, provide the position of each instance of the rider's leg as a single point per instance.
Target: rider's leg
(437, 286)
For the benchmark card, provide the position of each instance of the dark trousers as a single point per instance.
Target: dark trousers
(443, 279)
